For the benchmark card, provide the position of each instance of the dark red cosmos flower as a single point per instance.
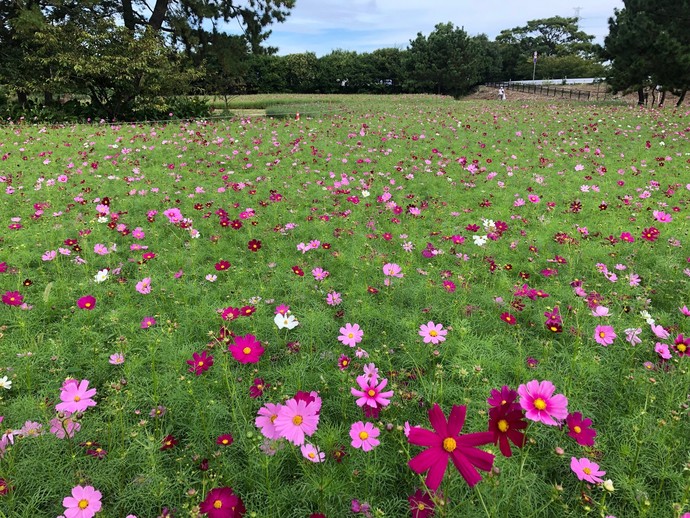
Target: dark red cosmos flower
(298, 271)
(224, 440)
(168, 442)
(505, 421)
(257, 389)
(445, 443)
(247, 310)
(222, 265)
(339, 453)
(508, 318)
(254, 245)
(97, 452)
(221, 502)
(421, 504)
(236, 224)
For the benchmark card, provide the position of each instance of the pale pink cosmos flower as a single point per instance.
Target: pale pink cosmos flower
(117, 359)
(364, 435)
(659, 331)
(85, 502)
(662, 217)
(312, 453)
(600, 311)
(49, 255)
(351, 334)
(265, 420)
(663, 350)
(540, 404)
(297, 419)
(144, 286)
(631, 335)
(65, 426)
(392, 270)
(333, 298)
(100, 249)
(685, 311)
(76, 398)
(432, 333)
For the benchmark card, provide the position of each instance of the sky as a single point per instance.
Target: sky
(321, 26)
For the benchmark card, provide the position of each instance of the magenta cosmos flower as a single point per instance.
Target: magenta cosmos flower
(580, 429)
(87, 302)
(351, 334)
(371, 394)
(297, 419)
(540, 404)
(586, 470)
(222, 502)
(76, 397)
(12, 298)
(246, 349)
(85, 502)
(364, 435)
(421, 504)
(432, 333)
(200, 363)
(445, 443)
(604, 335)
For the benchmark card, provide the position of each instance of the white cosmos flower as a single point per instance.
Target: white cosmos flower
(101, 276)
(480, 240)
(285, 321)
(5, 383)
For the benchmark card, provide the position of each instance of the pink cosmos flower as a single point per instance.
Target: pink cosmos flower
(392, 270)
(685, 311)
(432, 333)
(117, 359)
(586, 470)
(144, 286)
(351, 334)
(319, 274)
(100, 249)
(333, 298)
(312, 453)
(540, 404)
(659, 331)
(662, 350)
(604, 335)
(297, 419)
(265, 420)
(87, 302)
(76, 398)
(85, 502)
(364, 435)
(371, 394)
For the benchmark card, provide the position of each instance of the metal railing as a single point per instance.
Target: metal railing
(552, 91)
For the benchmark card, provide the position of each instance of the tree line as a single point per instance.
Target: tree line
(127, 58)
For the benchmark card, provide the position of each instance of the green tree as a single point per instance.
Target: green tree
(649, 44)
(549, 37)
(446, 62)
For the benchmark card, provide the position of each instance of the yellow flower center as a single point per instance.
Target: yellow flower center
(87, 305)
(539, 404)
(83, 503)
(311, 455)
(200, 363)
(681, 347)
(225, 441)
(363, 435)
(587, 471)
(77, 399)
(247, 350)
(433, 333)
(577, 429)
(273, 418)
(371, 392)
(421, 506)
(503, 425)
(217, 504)
(297, 420)
(350, 335)
(345, 362)
(602, 334)
(503, 402)
(449, 444)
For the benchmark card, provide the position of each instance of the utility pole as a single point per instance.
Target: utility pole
(534, 65)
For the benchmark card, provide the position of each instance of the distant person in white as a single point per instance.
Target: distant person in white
(501, 94)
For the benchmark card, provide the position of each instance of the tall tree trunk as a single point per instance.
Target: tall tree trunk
(640, 96)
(158, 14)
(662, 98)
(47, 98)
(682, 96)
(128, 15)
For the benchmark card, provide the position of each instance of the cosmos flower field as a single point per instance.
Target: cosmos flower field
(412, 307)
